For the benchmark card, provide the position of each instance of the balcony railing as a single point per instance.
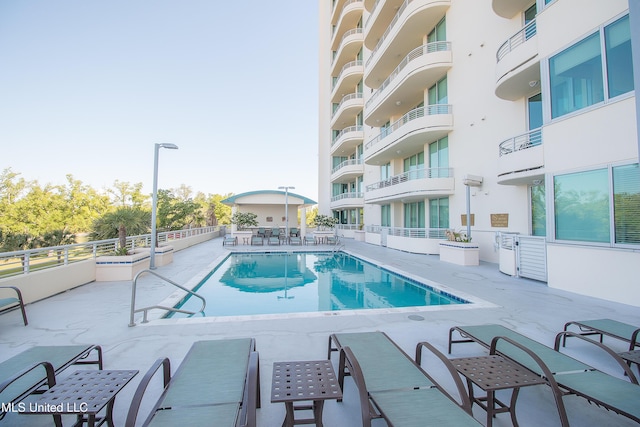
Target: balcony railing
(373, 9)
(516, 40)
(30, 260)
(412, 175)
(345, 35)
(342, 70)
(521, 142)
(350, 195)
(347, 163)
(356, 95)
(345, 131)
(414, 114)
(389, 28)
(415, 233)
(416, 53)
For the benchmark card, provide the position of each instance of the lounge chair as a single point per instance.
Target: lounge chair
(216, 384)
(230, 240)
(257, 240)
(309, 239)
(392, 386)
(11, 302)
(332, 240)
(262, 232)
(295, 240)
(21, 375)
(611, 328)
(564, 374)
(294, 232)
(273, 240)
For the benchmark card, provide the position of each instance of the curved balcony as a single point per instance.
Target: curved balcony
(521, 159)
(410, 134)
(339, 9)
(348, 19)
(347, 110)
(518, 67)
(347, 200)
(379, 19)
(370, 4)
(350, 74)
(350, 44)
(412, 186)
(347, 140)
(509, 8)
(406, 31)
(420, 69)
(347, 171)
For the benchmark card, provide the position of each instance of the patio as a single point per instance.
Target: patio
(529, 307)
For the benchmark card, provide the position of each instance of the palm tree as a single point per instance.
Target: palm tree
(120, 222)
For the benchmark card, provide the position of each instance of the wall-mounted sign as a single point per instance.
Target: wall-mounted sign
(463, 219)
(500, 220)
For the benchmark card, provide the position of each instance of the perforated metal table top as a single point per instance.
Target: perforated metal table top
(305, 380)
(495, 372)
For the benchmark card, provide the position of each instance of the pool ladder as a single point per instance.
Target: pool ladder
(145, 310)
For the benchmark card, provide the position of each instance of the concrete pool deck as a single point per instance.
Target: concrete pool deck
(98, 313)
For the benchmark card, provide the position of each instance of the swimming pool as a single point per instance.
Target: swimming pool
(295, 282)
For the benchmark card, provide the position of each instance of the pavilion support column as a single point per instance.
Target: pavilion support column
(234, 227)
(303, 222)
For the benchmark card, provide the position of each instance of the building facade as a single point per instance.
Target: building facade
(513, 121)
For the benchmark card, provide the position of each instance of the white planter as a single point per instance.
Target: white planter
(125, 267)
(460, 253)
(359, 235)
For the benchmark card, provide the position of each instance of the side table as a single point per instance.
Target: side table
(299, 381)
(84, 393)
(491, 373)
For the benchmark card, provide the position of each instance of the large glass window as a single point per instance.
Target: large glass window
(439, 158)
(385, 215)
(439, 213)
(538, 211)
(385, 171)
(439, 33)
(438, 92)
(617, 38)
(576, 77)
(414, 215)
(626, 204)
(534, 105)
(415, 165)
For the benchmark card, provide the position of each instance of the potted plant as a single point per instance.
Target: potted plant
(244, 220)
(458, 249)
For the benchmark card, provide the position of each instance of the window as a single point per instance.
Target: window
(584, 201)
(626, 204)
(439, 32)
(438, 92)
(619, 59)
(385, 171)
(538, 211)
(576, 77)
(439, 158)
(414, 215)
(385, 215)
(534, 107)
(439, 213)
(415, 165)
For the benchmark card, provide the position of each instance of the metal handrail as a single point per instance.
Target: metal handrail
(420, 173)
(145, 310)
(516, 40)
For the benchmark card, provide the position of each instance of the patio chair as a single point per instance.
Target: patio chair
(21, 375)
(309, 239)
(295, 240)
(257, 240)
(216, 384)
(273, 240)
(262, 232)
(394, 387)
(294, 232)
(11, 302)
(564, 374)
(332, 240)
(230, 240)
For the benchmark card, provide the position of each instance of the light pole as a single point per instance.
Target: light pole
(154, 201)
(286, 208)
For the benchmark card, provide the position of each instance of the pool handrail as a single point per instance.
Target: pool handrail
(145, 310)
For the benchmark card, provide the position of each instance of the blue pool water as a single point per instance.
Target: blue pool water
(273, 283)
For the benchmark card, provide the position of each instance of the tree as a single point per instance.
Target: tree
(244, 219)
(120, 222)
(175, 214)
(324, 222)
(124, 194)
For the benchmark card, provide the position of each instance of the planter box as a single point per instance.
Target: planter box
(460, 253)
(125, 267)
(359, 235)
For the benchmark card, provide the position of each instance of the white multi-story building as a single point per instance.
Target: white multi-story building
(519, 115)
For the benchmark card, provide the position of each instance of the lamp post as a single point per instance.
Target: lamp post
(154, 201)
(286, 208)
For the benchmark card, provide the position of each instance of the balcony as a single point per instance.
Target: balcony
(521, 159)
(370, 4)
(509, 8)
(344, 7)
(420, 69)
(350, 44)
(348, 19)
(518, 65)
(347, 80)
(412, 186)
(347, 200)
(347, 171)
(347, 110)
(347, 140)
(405, 32)
(380, 17)
(410, 134)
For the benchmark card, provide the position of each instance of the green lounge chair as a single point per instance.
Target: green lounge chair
(392, 386)
(257, 240)
(564, 374)
(216, 384)
(230, 240)
(295, 240)
(21, 375)
(309, 240)
(10, 302)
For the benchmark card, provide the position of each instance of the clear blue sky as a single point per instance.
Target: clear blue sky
(88, 87)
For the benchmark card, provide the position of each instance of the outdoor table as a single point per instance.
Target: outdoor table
(84, 393)
(304, 381)
(491, 373)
